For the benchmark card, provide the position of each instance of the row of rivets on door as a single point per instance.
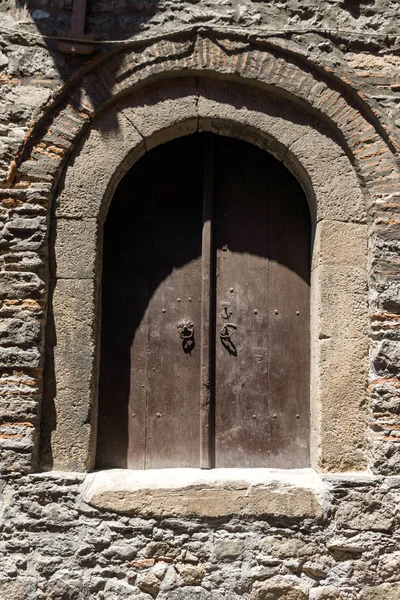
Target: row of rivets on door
(158, 415)
(276, 312)
(276, 416)
(163, 310)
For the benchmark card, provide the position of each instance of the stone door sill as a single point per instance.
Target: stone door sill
(296, 493)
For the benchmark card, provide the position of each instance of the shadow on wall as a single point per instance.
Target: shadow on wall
(38, 54)
(355, 6)
(106, 21)
(33, 69)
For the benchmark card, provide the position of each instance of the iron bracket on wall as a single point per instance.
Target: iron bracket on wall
(78, 42)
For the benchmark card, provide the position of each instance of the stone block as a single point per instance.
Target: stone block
(148, 582)
(339, 302)
(215, 494)
(249, 114)
(116, 589)
(74, 248)
(385, 591)
(14, 461)
(18, 588)
(338, 243)
(61, 585)
(279, 588)
(17, 409)
(71, 372)
(22, 225)
(15, 357)
(385, 296)
(337, 191)
(386, 357)
(385, 457)
(22, 261)
(228, 549)
(97, 165)
(368, 511)
(326, 592)
(286, 547)
(164, 111)
(191, 574)
(18, 286)
(28, 236)
(20, 332)
(339, 381)
(186, 593)
(17, 436)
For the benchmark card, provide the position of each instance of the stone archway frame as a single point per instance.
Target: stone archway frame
(116, 139)
(338, 102)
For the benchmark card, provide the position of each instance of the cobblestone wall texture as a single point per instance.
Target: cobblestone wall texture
(52, 544)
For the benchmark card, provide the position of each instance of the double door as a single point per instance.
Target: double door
(205, 318)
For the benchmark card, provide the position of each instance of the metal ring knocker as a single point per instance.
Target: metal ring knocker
(186, 330)
(186, 333)
(225, 332)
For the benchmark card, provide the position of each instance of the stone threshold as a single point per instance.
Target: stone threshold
(214, 493)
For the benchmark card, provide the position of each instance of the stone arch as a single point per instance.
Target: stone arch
(227, 57)
(332, 98)
(116, 139)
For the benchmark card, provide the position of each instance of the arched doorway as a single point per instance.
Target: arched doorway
(205, 313)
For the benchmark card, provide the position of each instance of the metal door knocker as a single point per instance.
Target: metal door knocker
(186, 333)
(225, 334)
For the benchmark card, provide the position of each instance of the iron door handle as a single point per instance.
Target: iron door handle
(227, 330)
(186, 329)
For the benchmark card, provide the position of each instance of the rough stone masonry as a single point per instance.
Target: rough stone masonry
(58, 540)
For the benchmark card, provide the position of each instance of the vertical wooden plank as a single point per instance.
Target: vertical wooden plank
(289, 327)
(78, 17)
(124, 331)
(262, 369)
(241, 239)
(207, 338)
(150, 378)
(173, 377)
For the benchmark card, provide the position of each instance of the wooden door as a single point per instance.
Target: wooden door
(262, 243)
(205, 328)
(149, 376)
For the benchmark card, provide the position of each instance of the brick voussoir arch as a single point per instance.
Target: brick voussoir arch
(125, 72)
(232, 59)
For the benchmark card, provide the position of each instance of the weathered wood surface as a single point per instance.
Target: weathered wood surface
(218, 241)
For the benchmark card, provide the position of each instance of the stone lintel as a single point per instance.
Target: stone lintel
(296, 493)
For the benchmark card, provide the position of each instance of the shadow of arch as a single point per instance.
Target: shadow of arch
(158, 200)
(105, 20)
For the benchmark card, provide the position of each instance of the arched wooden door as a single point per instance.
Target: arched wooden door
(205, 317)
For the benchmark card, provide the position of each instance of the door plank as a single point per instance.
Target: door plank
(242, 437)
(207, 355)
(124, 334)
(262, 379)
(152, 280)
(173, 376)
(289, 328)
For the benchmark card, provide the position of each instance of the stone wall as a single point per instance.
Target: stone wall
(56, 546)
